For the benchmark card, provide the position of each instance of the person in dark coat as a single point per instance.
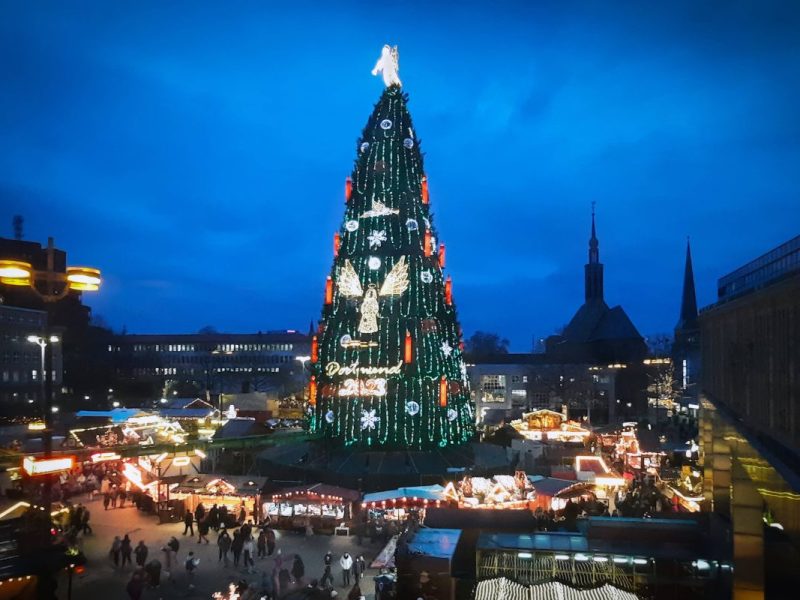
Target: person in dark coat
(141, 553)
(327, 578)
(153, 570)
(270, 542)
(202, 531)
(298, 569)
(236, 547)
(85, 527)
(262, 544)
(188, 521)
(125, 550)
(200, 512)
(224, 545)
(135, 586)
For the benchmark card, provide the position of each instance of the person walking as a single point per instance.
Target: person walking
(346, 562)
(169, 562)
(262, 544)
(114, 496)
(236, 547)
(355, 593)
(202, 531)
(326, 581)
(191, 565)
(174, 544)
(115, 550)
(141, 553)
(153, 570)
(249, 551)
(135, 586)
(200, 512)
(106, 500)
(359, 566)
(188, 525)
(224, 544)
(85, 527)
(125, 550)
(298, 569)
(270, 542)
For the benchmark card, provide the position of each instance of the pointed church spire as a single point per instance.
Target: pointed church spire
(688, 317)
(594, 269)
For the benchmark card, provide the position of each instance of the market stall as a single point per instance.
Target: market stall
(398, 504)
(323, 507)
(541, 425)
(233, 492)
(505, 492)
(553, 493)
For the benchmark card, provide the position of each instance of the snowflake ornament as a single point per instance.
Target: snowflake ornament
(426, 277)
(463, 368)
(376, 238)
(374, 262)
(369, 419)
(447, 349)
(451, 414)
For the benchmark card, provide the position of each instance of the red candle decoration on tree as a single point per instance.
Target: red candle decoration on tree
(443, 392)
(337, 240)
(328, 290)
(441, 256)
(312, 391)
(348, 189)
(424, 190)
(448, 290)
(461, 345)
(314, 349)
(407, 353)
(427, 242)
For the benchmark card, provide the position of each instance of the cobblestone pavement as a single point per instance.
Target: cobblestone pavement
(102, 580)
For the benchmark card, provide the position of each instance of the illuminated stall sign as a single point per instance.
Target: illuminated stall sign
(47, 465)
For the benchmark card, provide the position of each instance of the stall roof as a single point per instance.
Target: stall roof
(238, 427)
(115, 415)
(320, 489)
(242, 483)
(551, 486)
(437, 543)
(426, 492)
(186, 413)
(489, 589)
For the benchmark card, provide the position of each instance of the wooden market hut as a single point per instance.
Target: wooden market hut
(325, 507)
(230, 491)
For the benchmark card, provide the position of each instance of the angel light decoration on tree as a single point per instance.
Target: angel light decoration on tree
(389, 65)
(395, 284)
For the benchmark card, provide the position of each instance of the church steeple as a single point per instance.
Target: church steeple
(593, 271)
(688, 317)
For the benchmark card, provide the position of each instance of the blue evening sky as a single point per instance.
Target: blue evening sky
(196, 151)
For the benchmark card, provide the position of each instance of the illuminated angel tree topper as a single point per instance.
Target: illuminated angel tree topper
(387, 362)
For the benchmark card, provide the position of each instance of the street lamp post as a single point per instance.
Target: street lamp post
(45, 343)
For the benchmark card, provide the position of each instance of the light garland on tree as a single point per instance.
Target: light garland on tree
(390, 352)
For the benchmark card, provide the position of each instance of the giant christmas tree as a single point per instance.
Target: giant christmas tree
(387, 362)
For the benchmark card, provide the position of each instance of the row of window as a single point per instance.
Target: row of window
(202, 372)
(24, 376)
(218, 348)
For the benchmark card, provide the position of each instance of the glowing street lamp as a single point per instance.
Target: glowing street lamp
(15, 272)
(84, 279)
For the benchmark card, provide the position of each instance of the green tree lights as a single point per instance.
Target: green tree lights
(387, 364)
